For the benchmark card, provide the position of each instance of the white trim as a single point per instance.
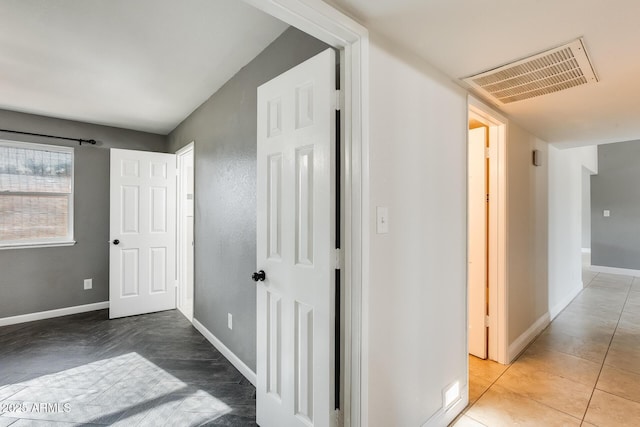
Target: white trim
(586, 250)
(327, 24)
(180, 248)
(35, 146)
(190, 146)
(528, 336)
(614, 270)
(556, 309)
(235, 360)
(498, 296)
(444, 417)
(36, 245)
(41, 315)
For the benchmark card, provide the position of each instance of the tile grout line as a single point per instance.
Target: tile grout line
(479, 422)
(466, 411)
(521, 395)
(542, 403)
(486, 390)
(509, 367)
(608, 347)
(582, 421)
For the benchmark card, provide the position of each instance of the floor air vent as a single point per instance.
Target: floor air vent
(554, 70)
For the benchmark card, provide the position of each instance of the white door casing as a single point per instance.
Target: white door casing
(295, 236)
(185, 248)
(477, 245)
(143, 222)
(327, 24)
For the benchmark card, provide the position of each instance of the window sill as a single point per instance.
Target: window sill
(31, 245)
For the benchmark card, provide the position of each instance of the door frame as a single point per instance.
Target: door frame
(180, 231)
(327, 24)
(498, 348)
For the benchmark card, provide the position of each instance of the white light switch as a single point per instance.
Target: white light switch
(606, 212)
(88, 284)
(229, 321)
(382, 222)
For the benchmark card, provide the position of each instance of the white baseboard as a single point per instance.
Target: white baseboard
(586, 250)
(615, 270)
(529, 335)
(41, 315)
(556, 309)
(235, 360)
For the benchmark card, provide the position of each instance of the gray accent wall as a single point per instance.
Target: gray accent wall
(615, 241)
(41, 279)
(224, 131)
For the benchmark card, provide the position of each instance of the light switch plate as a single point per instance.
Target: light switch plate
(88, 284)
(606, 213)
(382, 220)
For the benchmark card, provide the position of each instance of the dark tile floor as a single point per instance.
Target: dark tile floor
(150, 370)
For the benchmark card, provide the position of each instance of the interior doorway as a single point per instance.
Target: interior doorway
(185, 230)
(487, 293)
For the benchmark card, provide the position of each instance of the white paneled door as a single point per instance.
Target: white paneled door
(296, 234)
(477, 246)
(142, 232)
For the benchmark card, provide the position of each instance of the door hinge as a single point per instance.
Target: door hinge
(487, 198)
(487, 319)
(337, 259)
(338, 100)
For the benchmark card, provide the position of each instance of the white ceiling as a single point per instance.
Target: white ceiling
(143, 64)
(147, 64)
(464, 37)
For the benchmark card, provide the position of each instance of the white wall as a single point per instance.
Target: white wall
(415, 337)
(527, 244)
(565, 222)
(586, 209)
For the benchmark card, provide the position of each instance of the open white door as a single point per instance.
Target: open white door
(477, 246)
(185, 196)
(296, 233)
(143, 232)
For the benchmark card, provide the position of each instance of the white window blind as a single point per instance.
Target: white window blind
(36, 194)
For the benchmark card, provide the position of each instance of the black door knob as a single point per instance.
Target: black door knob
(258, 276)
(116, 241)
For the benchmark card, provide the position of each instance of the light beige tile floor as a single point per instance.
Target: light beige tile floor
(583, 370)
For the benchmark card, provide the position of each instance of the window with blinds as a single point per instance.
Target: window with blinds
(36, 194)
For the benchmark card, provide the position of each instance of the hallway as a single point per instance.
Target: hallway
(583, 370)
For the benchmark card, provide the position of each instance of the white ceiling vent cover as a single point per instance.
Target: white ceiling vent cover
(557, 69)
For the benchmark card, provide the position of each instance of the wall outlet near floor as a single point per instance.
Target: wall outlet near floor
(88, 284)
(229, 321)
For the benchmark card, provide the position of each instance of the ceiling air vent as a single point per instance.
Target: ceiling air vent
(554, 70)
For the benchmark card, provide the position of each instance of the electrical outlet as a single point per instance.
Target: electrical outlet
(229, 320)
(88, 284)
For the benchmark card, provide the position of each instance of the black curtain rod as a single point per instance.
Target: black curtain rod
(80, 140)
